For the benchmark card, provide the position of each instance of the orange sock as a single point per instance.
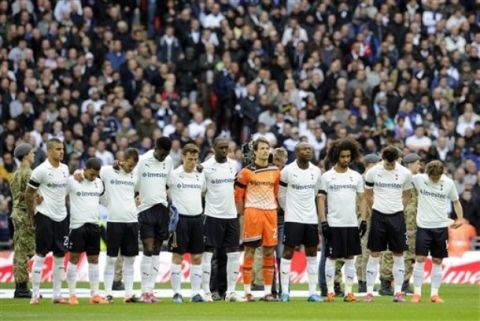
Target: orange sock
(268, 268)
(247, 269)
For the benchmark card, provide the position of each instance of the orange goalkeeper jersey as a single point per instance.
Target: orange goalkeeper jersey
(257, 186)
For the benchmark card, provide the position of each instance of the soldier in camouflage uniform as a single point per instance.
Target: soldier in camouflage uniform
(362, 260)
(24, 232)
(412, 162)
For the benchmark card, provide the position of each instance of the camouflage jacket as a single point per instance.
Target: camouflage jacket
(18, 185)
(411, 211)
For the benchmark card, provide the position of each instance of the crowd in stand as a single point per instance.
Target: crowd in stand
(106, 75)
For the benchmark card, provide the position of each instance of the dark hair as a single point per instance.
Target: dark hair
(219, 139)
(434, 168)
(390, 153)
(93, 163)
(131, 153)
(333, 153)
(164, 143)
(53, 141)
(258, 141)
(190, 149)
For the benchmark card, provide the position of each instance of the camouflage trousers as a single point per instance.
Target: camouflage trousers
(386, 263)
(118, 269)
(24, 244)
(362, 259)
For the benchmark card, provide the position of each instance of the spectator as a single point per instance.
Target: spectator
(419, 141)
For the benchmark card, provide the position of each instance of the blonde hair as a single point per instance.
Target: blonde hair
(280, 152)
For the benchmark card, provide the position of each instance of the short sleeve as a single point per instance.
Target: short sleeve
(360, 184)
(408, 181)
(369, 175)
(70, 184)
(453, 195)
(103, 173)
(170, 179)
(37, 178)
(284, 176)
(323, 185)
(318, 184)
(204, 182)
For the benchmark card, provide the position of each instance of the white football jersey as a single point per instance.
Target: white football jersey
(152, 176)
(434, 200)
(388, 187)
(186, 191)
(120, 194)
(220, 196)
(342, 190)
(51, 183)
(84, 201)
(298, 191)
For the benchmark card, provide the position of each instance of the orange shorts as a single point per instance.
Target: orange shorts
(260, 225)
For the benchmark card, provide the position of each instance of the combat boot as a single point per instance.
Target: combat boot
(338, 290)
(386, 288)
(406, 287)
(22, 291)
(362, 286)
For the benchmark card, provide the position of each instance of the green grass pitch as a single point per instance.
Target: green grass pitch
(462, 303)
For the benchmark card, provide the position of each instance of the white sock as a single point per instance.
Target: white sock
(330, 275)
(109, 274)
(146, 269)
(285, 266)
(418, 273)
(247, 288)
(37, 269)
(206, 271)
(58, 276)
(72, 271)
(398, 273)
(267, 289)
(312, 271)
(349, 275)
(372, 271)
(176, 277)
(196, 279)
(93, 276)
(436, 278)
(128, 262)
(154, 272)
(233, 267)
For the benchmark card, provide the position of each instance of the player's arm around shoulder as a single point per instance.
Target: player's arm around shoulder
(321, 199)
(361, 197)
(241, 183)
(282, 191)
